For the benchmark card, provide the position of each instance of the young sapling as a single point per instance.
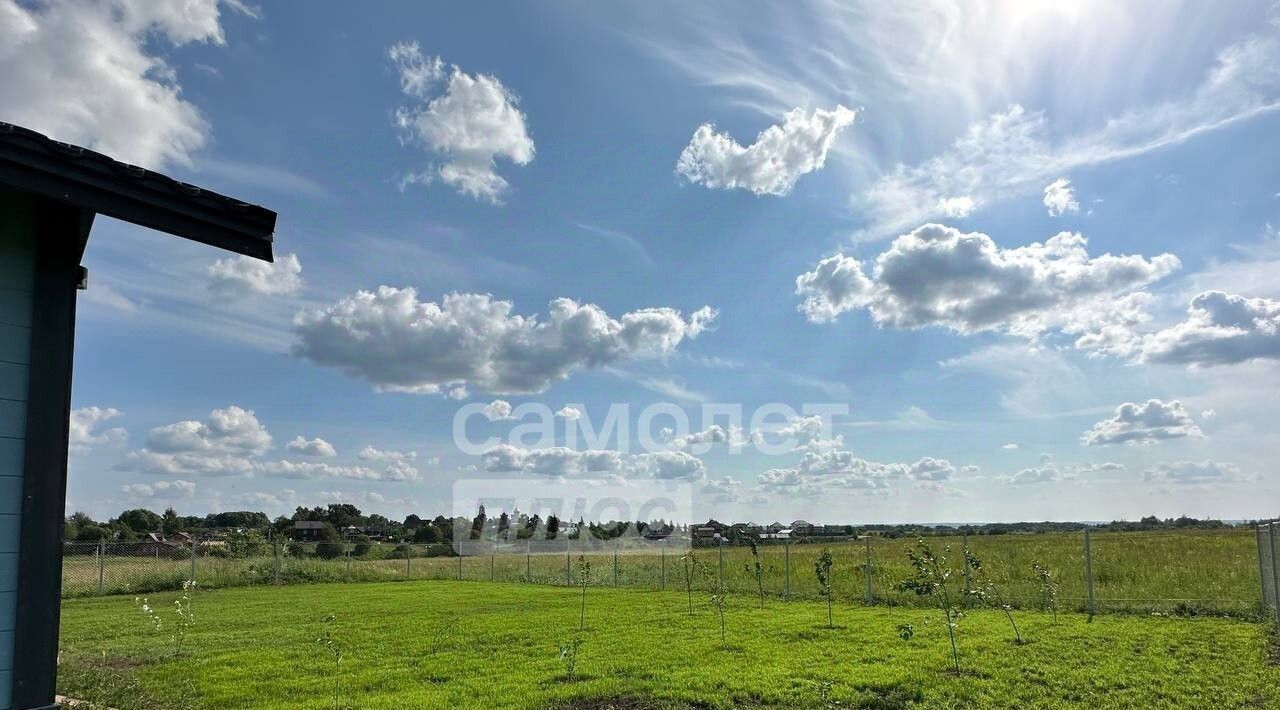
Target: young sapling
(930, 574)
(822, 570)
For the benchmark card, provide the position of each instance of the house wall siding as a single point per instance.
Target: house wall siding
(17, 271)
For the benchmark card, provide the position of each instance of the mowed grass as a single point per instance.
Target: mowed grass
(436, 644)
(1184, 571)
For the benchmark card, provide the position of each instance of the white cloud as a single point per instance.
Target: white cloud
(1193, 472)
(470, 122)
(1146, 423)
(1059, 198)
(497, 410)
(771, 165)
(399, 343)
(956, 207)
(569, 414)
(160, 489)
(1013, 152)
(240, 276)
(1009, 447)
(85, 433)
(311, 447)
(563, 461)
(1051, 472)
(940, 276)
(721, 490)
(233, 430)
(89, 73)
(1208, 415)
(369, 453)
(1220, 329)
(821, 471)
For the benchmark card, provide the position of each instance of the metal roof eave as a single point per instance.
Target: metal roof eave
(34, 163)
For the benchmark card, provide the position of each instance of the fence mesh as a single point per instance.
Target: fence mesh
(1231, 571)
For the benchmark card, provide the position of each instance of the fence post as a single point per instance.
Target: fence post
(528, 557)
(964, 542)
(615, 564)
(460, 549)
(1263, 570)
(492, 555)
(408, 553)
(662, 552)
(720, 549)
(568, 581)
(870, 597)
(193, 560)
(1275, 570)
(786, 567)
(1088, 570)
(275, 545)
(102, 553)
(348, 554)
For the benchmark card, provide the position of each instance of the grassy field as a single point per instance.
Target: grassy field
(1187, 572)
(466, 644)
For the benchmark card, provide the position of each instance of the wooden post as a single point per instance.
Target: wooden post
(102, 553)
(870, 597)
(720, 549)
(615, 564)
(964, 541)
(1275, 570)
(492, 556)
(276, 550)
(786, 567)
(1088, 571)
(193, 560)
(460, 546)
(1263, 566)
(662, 551)
(568, 579)
(528, 557)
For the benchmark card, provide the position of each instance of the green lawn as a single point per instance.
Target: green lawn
(1183, 571)
(437, 644)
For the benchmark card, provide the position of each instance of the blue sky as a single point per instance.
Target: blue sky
(735, 200)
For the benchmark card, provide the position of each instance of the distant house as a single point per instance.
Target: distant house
(774, 528)
(704, 532)
(779, 534)
(801, 528)
(307, 529)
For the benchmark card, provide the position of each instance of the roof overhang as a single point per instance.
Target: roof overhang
(68, 174)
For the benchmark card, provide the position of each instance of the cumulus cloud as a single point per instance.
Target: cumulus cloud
(956, 207)
(721, 490)
(399, 343)
(771, 165)
(240, 276)
(85, 431)
(1009, 447)
(1049, 471)
(311, 447)
(563, 461)
(89, 73)
(497, 410)
(231, 442)
(233, 430)
(569, 413)
(1059, 198)
(160, 489)
(1145, 423)
(1220, 329)
(468, 120)
(940, 276)
(370, 453)
(1194, 472)
(822, 471)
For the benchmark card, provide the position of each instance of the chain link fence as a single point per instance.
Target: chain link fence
(1188, 572)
